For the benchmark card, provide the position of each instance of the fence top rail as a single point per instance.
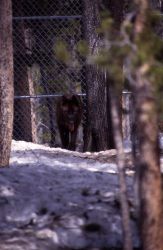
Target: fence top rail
(59, 17)
(54, 95)
(41, 96)
(18, 18)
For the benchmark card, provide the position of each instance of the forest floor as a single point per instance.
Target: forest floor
(54, 199)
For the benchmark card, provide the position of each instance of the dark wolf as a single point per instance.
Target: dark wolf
(69, 115)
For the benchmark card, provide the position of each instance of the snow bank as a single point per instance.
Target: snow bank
(57, 199)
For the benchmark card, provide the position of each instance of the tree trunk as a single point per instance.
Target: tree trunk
(148, 170)
(24, 109)
(6, 81)
(96, 132)
(110, 134)
(121, 163)
(116, 9)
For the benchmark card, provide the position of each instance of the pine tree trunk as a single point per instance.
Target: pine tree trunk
(6, 81)
(24, 109)
(116, 9)
(96, 132)
(148, 169)
(121, 163)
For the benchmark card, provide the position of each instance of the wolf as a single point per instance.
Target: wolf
(69, 115)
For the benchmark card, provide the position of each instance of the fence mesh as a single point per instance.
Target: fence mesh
(39, 75)
(46, 7)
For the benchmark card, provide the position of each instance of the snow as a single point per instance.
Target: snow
(52, 198)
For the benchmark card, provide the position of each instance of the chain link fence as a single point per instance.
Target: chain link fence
(39, 76)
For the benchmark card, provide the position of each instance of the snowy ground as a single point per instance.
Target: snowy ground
(54, 199)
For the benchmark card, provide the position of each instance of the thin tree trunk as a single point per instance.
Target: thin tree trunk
(116, 121)
(110, 134)
(116, 9)
(6, 81)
